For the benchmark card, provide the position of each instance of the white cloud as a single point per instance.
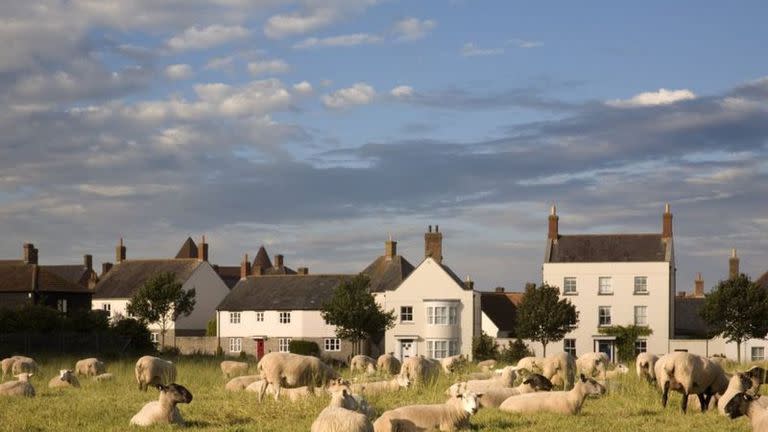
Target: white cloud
(527, 44)
(303, 87)
(178, 71)
(280, 26)
(359, 94)
(341, 40)
(206, 37)
(660, 97)
(220, 63)
(402, 91)
(470, 50)
(408, 29)
(276, 66)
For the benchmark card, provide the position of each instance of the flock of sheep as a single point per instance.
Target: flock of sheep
(524, 388)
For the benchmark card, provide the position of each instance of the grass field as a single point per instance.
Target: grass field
(633, 406)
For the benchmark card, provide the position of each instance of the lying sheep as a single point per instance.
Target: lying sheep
(558, 368)
(362, 363)
(644, 364)
(21, 387)
(744, 404)
(65, 379)
(104, 377)
(293, 370)
(486, 365)
(739, 383)
(690, 374)
(377, 387)
(592, 364)
(419, 369)
(615, 373)
(24, 365)
(388, 363)
(163, 410)
(495, 397)
(7, 365)
(559, 402)
(152, 371)
(338, 418)
(240, 383)
(505, 380)
(479, 375)
(452, 363)
(449, 416)
(233, 368)
(90, 367)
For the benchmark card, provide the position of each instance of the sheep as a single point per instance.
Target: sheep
(689, 374)
(362, 363)
(240, 383)
(449, 416)
(617, 372)
(388, 363)
(560, 369)
(24, 364)
(531, 364)
(420, 369)
(559, 402)
(104, 377)
(65, 379)
(739, 383)
(745, 404)
(479, 375)
(153, 370)
(90, 367)
(505, 380)
(20, 387)
(233, 368)
(486, 365)
(644, 364)
(253, 387)
(720, 360)
(758, 376)
(450, 364)
(495, 397)
(591, 364)
(7, 365)
(164, 410)
(337, 418)
(293, 370)
(377, 387)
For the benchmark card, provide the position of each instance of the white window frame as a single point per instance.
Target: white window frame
(154, 337)
(569, 347)
(235, 345)
(644, 321)
(234, 317)
(61, 305)
(569, 285)
(641, 282)
(406, 314)
(442, 348)
(601, 315)
(283, 344)
(754, 350)
(442, 315)
(285, 317)
(332, 344)
(259, 316)
(641, 346)
(604, 285)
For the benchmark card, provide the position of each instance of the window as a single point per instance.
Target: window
(758, 353)
(154, 337)
(569, 285)
(283, 344)
(235, 345)
(442, 348)
(285, 317)
(641, 315)
(234, 317)
(641, 284)
(605, 286)
(406, 313)
(604, 315)
(569, 346)
(641, 346)
(259, 316)
(441, 315)
(332, 344)
(61, 305)
(107, 307)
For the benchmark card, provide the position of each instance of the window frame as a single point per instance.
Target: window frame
(569, 349)
(573, 291)
(154, 337)
(405, 313)
(752, 353)
(644, 280)
(284, 317)
(234, 318)
(641, 346)
(448, 315)
(600, 280)
(600, 316)
(284, 344)
(332, 345)
(235, 345)
(644, 308)
(260, 316)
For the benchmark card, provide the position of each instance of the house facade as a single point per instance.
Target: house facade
(499, 314)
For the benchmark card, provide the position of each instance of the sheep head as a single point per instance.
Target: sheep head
(469, 402)
(738, 405)
(176, 393)
(593, 387)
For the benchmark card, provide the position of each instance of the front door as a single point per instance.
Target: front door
(407, 349)
(606, 347)
(259, 348)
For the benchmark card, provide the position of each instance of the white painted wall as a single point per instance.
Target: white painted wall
(304, 324)
(487, 326)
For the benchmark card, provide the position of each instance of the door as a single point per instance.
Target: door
(407, 349)
(606, 347)
(259, 348)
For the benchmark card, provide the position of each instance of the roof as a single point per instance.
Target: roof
(125, 278)
(76, 273)
(501, 308)
(262, 259)
(299, 292)
(18, 276)
(386, 274)
(188, 249)
(453, 275)
(608, 248)
(762, 281)
(229, 274)
(688, 323)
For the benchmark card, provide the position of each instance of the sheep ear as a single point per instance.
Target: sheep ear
(161, 387)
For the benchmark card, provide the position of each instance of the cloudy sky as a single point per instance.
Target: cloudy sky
(320, 127)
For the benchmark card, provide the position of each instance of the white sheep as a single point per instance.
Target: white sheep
(450, 364)
(739, 383)
(644, 366)
(506, 379)
(531, 364)
(241, 383)
(495, 397)
(689, 374)
(338, 418)
(377, 387)
(294, 394)
(362, 363)
(65, 379)
(615, 373)
(486, 365)
(592, 363)
(24, 364)
(449, 416)
(559, 402)
(388, 363)
(746, 404)
(233, 368)
(152, 370)
(104, 377)
(7, 365)
(293, 370)
(420, 369)
(20, 387)
(163, 410)
(90, 367)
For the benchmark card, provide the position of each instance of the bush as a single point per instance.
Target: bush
(136, 332)
(210, 330)
(484, 347)
(32, 319)
(219, 351)
(514, 351)
(171, 351)
(303, 347)
(243, 355)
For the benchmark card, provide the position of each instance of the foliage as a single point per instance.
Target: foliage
(210, 329)
(162, 300)
(514, 351)
(736, 309)
(543, 316)
(626, 336)
(484, 347)
(219, 351)
(355, 313)
(303, 347)
(243, 355)
(43, 319)
(136, 332)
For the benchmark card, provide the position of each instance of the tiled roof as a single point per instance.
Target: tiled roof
(299, 292)
(76, 273)
(126, 277)
(608, 248)
(262, 259)
(387, 274)
(17, 276)
(229, 274)
(501, 308)
(188, 249)
(688, 323)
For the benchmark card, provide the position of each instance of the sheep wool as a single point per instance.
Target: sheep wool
(558, 402)
(506, 379)
(690, 374)
(739, 383)
(104, 377)
(241, 383)
(163, 410)
(293, 370)
(420, 369)
(449, 416)
(152, 371)
(644, 366)
(744, 404)
(388, 363)
(362, 363)
(90, 367)
(378, 387)
(493, 398)
(337, 418)
(592, 364)
(233, 368)
(20, 387)
(24, 364)
(65, 379)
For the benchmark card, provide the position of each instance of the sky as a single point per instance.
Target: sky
(319, 128)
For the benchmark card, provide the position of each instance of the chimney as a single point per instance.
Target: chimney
(245, 267)
(88, 261)
(30, 254)
(257, 270)
(302, 271)
(681, 294)
(499, 289)
(278, 261)
(733, 265)
(105, 268)
(666, 222)
(120, 252)
(698, 287)
(469, 283)
(202, 250)
(390, 248)
(433, 244)
(553, 231)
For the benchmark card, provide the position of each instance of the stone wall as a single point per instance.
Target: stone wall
(196, 344)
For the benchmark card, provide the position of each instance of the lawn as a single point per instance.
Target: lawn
(632, 405)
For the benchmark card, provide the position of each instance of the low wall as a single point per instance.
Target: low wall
(196, 344)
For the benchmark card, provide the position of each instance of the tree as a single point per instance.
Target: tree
(737, 309)
(161, 300)
(543, 316)
(355, 313)
(484, 347)
(514, 351)
(626, 336)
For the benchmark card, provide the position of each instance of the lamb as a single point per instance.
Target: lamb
(24, 364)
(104, 377)
(420, 369)
(739, 383)
(745, 404)
(164, 410)
(65, 379)
(559, 402)
(293, 370)
(338, 418)
(153, 370)
(362, 363)
(90, 367)
(617, 372)
(690, 374)
(233, 368)
(449, 416)
(591, 364)
(505, 380)
(486, 365)
(377, 387)
(644, 366)
(241, 383)
(450, 364)
(495, 397)
(388, 363)
(20, 387)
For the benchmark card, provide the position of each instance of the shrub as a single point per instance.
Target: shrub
(243, 355)
(484, 347)
(210, 330)
(298, 346)
(219, 351)
(170, 351)
(514, 351)
(136, 332)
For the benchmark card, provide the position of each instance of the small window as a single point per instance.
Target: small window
(154, 337)
(283, 344)
(758, 353)
(604, 315)
(285, 317)
(641, 315)
(406, 313)
(605, 286)
(569, 285)
(641, 346)
(641, 284)
(61, 305)
(332, 344)
(569, 346)
(259, 316)
(235, 345)
(453, 347)
(107, 307)
(234, 317)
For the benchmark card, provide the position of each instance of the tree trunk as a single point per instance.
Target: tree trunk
(738, 351)
(544, 345)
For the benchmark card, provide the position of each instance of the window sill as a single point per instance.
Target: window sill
(407, 322)
(571, 294)
(605, 294)
(603, 325)
(641, 293)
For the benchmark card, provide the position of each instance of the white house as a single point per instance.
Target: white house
(499, 314)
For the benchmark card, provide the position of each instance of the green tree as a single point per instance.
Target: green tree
(484, 347)
(161, 300)
(737, 309)
(543, 316)
(355, 313)
(514, 351)
(626, 336)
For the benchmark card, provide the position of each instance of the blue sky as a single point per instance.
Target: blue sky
(319, 127)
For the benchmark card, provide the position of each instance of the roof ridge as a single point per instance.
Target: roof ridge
(612, 234)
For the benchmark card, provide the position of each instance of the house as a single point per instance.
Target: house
(438, 314)
(499, 313)
(122, 280)
(24, 281)
(613, 279)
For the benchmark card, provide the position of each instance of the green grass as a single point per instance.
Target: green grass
(109, 406)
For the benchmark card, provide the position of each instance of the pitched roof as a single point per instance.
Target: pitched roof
(17, 276)
(608, 248)
(501, 308)
(126, 277)
(262, 259)
(299, 292)
(188, 249)
(75, 273)
(386, 274)
(688, 323)
(453, 275)
(229, 274)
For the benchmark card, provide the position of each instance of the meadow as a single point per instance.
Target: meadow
(631, 406)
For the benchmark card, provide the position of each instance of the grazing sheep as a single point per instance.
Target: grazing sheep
(758, 376)
(293, 370)
(592, 364)
(745, 404)
(450, 364)
(486, 365)
(505, 380)
(615, 373)
(419, 369)
(644, 366)
(362, 363)
(480, 375)
(240, 383)
(153, 370)
(449, 416)
(65, 379)
(559, 402)
(495, 397)
(104, 377)
(7, 365)
(24, 364)
(233, 368)
(164, 410)
(336, 417)
(560, 369)
(388, 363)
(532, 364)
(297, 393)
(739, 383)
(690, 374)
(90, 367)
(21, 387)
(377, 387)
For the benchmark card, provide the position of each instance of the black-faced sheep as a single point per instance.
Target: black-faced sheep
(293, 370)
(420, 369)
(644, 366)
(592, 364)
(90, 367)
(744, 404)
(560, 402)
(739, 383)
(20, 387)
(495, 397)
(233, 368)
(758, 376)
(362, 363)
(152, 371)
(690, 374)
(388, 363)
(449, 416)
(65, 379)
(163, 410)
(338, 417)
(377, 387)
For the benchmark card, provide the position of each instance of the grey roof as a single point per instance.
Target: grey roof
(76, 273)
(608, 248)
(688, 323)
(229, 274)
(262, 259)
(18, 276)
(386, 274)
(188, 249)
(501, 308)
(454, 276)
(125, 278)
(282, 292)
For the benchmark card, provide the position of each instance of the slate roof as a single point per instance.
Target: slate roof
(608, 248)
(299, 292)
(188, 249)
(17, 276)
(229, 274)
(501, 308)
(688, 322)
(126, 277)
(262, 259)
(387, 274)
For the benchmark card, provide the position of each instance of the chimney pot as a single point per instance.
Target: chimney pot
(499, 289)
(430, 228)
(88, 261)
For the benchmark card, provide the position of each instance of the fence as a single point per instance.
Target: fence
(62, 343)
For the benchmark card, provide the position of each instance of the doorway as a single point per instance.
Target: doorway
(259, 348)
(407, 349)
(606, 347)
